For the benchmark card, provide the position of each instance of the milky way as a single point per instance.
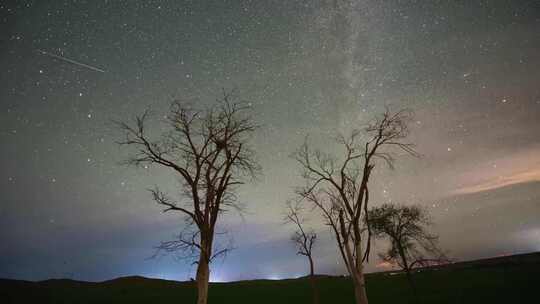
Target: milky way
(69, 209)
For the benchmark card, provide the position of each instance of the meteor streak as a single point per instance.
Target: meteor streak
(72, 61)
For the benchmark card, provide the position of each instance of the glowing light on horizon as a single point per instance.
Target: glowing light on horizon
(217, 279)
(385, 265)
(274, 277)
(531, 236)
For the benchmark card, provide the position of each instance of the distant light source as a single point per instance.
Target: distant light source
(217, 280)
(274, 277)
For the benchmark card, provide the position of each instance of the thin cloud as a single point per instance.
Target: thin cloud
(502, 181)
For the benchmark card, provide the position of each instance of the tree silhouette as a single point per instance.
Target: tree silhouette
(208, 149)
(411, 244)
(304, 241)
(338, 187)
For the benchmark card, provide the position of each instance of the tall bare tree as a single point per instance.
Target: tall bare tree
(208, 149)
(411, 245)
(338, 186)
(304, 241)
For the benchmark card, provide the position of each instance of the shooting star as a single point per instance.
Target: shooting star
(72, 61)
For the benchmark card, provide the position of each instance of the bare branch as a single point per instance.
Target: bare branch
(338, 186)
(209, 152)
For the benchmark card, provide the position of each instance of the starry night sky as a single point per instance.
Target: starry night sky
(469, 70)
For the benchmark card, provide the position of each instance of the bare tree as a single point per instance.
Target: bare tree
(304, 241)
(338, 187)
(411, 244)
(207, 148)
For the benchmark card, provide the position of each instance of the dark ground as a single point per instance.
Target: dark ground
(514, 279)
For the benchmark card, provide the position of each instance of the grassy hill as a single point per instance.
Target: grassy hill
(512, 279)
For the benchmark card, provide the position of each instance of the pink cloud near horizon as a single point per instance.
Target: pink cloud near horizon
(501, 181)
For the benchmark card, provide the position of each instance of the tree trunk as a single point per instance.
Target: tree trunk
(360, 293)
(203, 276)
(356, 267)
(407, 269)
(411, 282)
(360, 282)
(313, 281)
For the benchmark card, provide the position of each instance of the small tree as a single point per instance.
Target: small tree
(338, 186)
(304, 241)
(411, 245)
(209, 152)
